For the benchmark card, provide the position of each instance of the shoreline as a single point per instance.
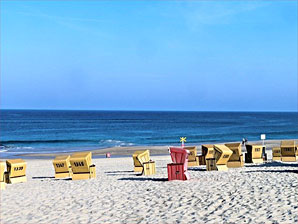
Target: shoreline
(118, 152)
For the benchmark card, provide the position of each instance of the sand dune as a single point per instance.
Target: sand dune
(252, 194)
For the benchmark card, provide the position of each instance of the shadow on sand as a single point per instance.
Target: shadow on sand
(144, 179)
(271, 171)
(273, 164)
(42, 178)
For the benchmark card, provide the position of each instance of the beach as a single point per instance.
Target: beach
(264, 193)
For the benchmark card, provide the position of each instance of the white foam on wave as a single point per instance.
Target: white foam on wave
(115, 143)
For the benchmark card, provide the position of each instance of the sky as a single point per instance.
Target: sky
(149, 55)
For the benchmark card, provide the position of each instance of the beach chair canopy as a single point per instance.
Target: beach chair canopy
(178, 155)
(143, 157)
(136, 162)
(16, 167)
(2, 170)
(287, 143)
(192, 152)
(81, 162)
(61, 164)
(222, 154)
(236, 149)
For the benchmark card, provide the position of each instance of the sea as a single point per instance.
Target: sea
(52, 131)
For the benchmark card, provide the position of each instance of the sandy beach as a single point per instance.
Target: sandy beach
(265, 193)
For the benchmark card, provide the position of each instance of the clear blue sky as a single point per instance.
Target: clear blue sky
(149, 55)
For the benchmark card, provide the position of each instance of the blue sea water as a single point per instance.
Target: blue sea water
(33, 131)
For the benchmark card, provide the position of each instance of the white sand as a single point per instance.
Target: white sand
(253, 194)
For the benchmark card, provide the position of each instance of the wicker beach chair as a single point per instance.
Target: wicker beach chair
(207, 154)
(138, 167)
(254, 153)
(193, 159)
(222, 155)
(2, 175)
(16, 171)
(276, 154)
(81, 166)
(236, 159)
(148, 166)
(178, 169)
(288, 151)
(62, 167)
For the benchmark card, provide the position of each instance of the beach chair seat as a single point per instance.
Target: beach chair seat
(81, 166)
(62, 167)
(288, 151)
(148, 166)
(193, 159)
(137, 165)
(2, 175)
(222, 155)
(254, 153)
(276, 154)
(236, 159)
(179, 158)
(16, 171)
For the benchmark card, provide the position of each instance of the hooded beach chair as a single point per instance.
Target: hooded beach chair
(16, 171)
(178, 169)
(138, 167)
(193, 159)
(2, 175)
(222, 155)
(81, 166)
(288, 151)
(147, 164)
(254, 153)
(207, 153)
(62, 167)
(236, 159)
(276, 154)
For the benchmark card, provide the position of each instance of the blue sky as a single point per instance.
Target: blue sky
(149, 55)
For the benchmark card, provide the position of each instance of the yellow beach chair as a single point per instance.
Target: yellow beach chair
(193, 159)
(276, 154)
(137, 165)
(222, 155)
(254, 153)
(16, 171)
(62, 167)
(236, 159)
(2, 175)
(288, 151)
(81, 166)
(147, 164)
(207, 153)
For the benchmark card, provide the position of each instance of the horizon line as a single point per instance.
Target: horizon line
(136, 110)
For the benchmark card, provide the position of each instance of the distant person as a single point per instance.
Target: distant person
(243, 141)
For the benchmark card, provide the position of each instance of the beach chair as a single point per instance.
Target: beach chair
(288, 151)
(81, 166)
(236, 159)
(16, 171)
(178, 169)
(193, 159)
(276, 154)
(62, 167)
(207, 154)
(147, 164)
(254, 153)
(2, 175)
(222, 155)
(137, 165)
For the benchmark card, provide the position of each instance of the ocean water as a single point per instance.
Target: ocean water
(32, 131)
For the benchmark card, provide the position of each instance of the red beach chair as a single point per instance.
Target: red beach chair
(178, 169)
